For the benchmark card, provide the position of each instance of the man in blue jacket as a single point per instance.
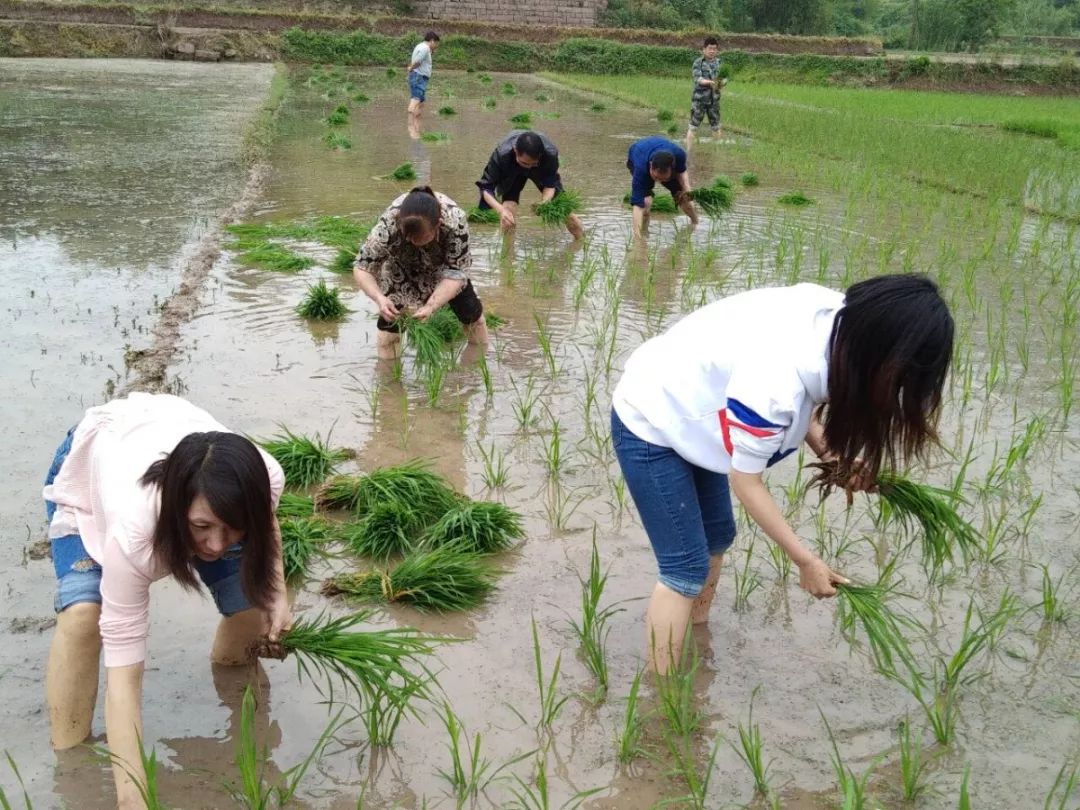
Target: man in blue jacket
(657, 160)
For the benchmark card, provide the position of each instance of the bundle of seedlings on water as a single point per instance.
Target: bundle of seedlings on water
(339, 232)
(509, 89)
(484, 78)
(302, 539)
(343, 262)
(749, 179)
(483, 216)
(447, 110)
(276, 258)
(558, 209)
(661, 204)
(865, 604)
(337, 141)
(413, 483)
(369, 663)
(441, 580)
(522, 119)
(339, 117)
(306, 461)
(403, 172)
(322, 303)
(598, 107)
(388, 529)
(477, 526)
(293, 504)
(360, 98)
(796, 198)
(716, 198)
(434, 137)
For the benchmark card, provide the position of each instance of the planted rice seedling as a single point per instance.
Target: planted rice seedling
(537, 796)
(476, 526)
(489, 103)
(360, 98)
(508, 89)
(912, 764)
(447, 110)
(521, 119)
(550, 703)
(751, 750)
(302, 539)
(434, 137)
(633, 726)
(853, 788)
(442, 580)
(405, 171)
(484, 78)
(384, 713)
(273, 257)
(749, 179)
(145, 783)
(388, 528)
(336, 141)
(293, 504)
(686, 766)
(306, 461)
(368, 663)
(676, 691)
(4, 801)
(484, 216)
(339, 117)
(496, 473)
(592, 632)
(716, 198)
(1060, 792)
(471, 773)
(322, 303)
(795, 198)
(559, 208)
(865, 604)
(964, 802)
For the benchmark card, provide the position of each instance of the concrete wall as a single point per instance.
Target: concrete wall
(533, 12)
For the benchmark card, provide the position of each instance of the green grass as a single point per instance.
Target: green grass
(360, 98)
(336, 141)
(405, 171)
(339, 117)
(477, 526)
(749, 179)
(434, 137)
(665, 116)
(276, 258)
(521, 119)
(508, 89)
(412, 482)
(716, 198)
(302, 540)
(483, 216)
(598, 107)
(387, 529)
(558, 209)
(795, 198)
(322, 303)
(447, 110)
(440, 580)
(1037, 128)
(489, 103)
(306, 461)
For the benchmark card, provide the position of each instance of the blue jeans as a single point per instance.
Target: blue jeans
(418, 85)
(686, 510)
(78, 575)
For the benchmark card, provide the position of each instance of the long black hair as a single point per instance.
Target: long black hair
(889, 354)
(230, 473)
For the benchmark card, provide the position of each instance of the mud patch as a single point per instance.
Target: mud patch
(31, 624)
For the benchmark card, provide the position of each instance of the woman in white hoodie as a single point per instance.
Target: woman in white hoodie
(738, 385)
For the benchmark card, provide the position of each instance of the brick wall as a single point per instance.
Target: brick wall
(531, 12)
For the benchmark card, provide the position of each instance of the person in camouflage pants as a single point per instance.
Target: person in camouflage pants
(707, 84)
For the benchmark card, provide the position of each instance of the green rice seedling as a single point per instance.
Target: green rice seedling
(306, 461)
(339, 232)
(360, 98)
(469, 774)
(749, 179)
(1052, 608)
(384, 713)
(853, 788)
(441, 580)
(146, 783)
(413, 483)
(964, 802)
(665, 116)
(1065, 782)
(633, 726)
(508, 89)
(483, 216)
(302, 539)
(367, 663)
(912, 764)
(795, 198)
(661, 204)
(293, 504)
(550, 703)
(387, 529)
(391, 73)
(336, 141)
(672, 129)
(553, 454)
(751, 750)
(559, 208)
(447, 110)
(446, 325)
(941, 709)
(973, 640)
(598, 107)
(322, 303)
(592, 632)
(254, 793)
(686, 766)
(434, 137)
(543, 97)
(268, 256)
(5, 803)
(716, 198)
(476, 526)
(427, 341)
(676, 691)
(746, 581)
(339, 117)
(865, 604)
(484, 78)
(538, 795)
(524, 404)
(405, 171)
(489, 103)
(496, 474)
(343, 262)
(521, 119)
(1037, 128)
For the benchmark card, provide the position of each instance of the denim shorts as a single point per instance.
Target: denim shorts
(418, 85)
(78, 575)
(685, 509)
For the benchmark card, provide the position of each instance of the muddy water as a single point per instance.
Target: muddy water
(250, 360)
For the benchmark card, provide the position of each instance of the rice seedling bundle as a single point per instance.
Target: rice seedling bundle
(322, 303)
(434, 137)
(484, 216)
(522, 119)
(412, 483)
(934, 510)
(268, 256)
(716, 198)
(480, 527)
(427, 341)
(293, 504)
(796, 198)
(489, 103)
(337, 141)
(509, 89)
(369, 663)
(665, 116)
(339, 117)
(542, 97)
(673, 129)
(306, 461)
(302, 539)
(403, 172)
(343, 262)
(865, 604)
(598, 108)
(339, 232)
(749, 179)
(390, 73)
(447, 110)
(484, 78)
(661, 204)
(441, 580)
(558, 209)
(360, 98)
(389, 528)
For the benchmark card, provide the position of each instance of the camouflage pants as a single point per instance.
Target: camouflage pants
(700, 106)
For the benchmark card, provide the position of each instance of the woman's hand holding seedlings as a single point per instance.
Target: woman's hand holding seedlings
(278, 616)
(386, 308)
(817, 579)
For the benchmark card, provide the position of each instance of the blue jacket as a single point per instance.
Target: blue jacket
(638, 163)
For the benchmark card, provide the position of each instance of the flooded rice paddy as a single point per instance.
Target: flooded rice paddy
(142, 165)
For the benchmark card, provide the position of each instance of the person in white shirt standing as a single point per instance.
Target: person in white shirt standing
(142, 488)
(419, 74)
(741, 383)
